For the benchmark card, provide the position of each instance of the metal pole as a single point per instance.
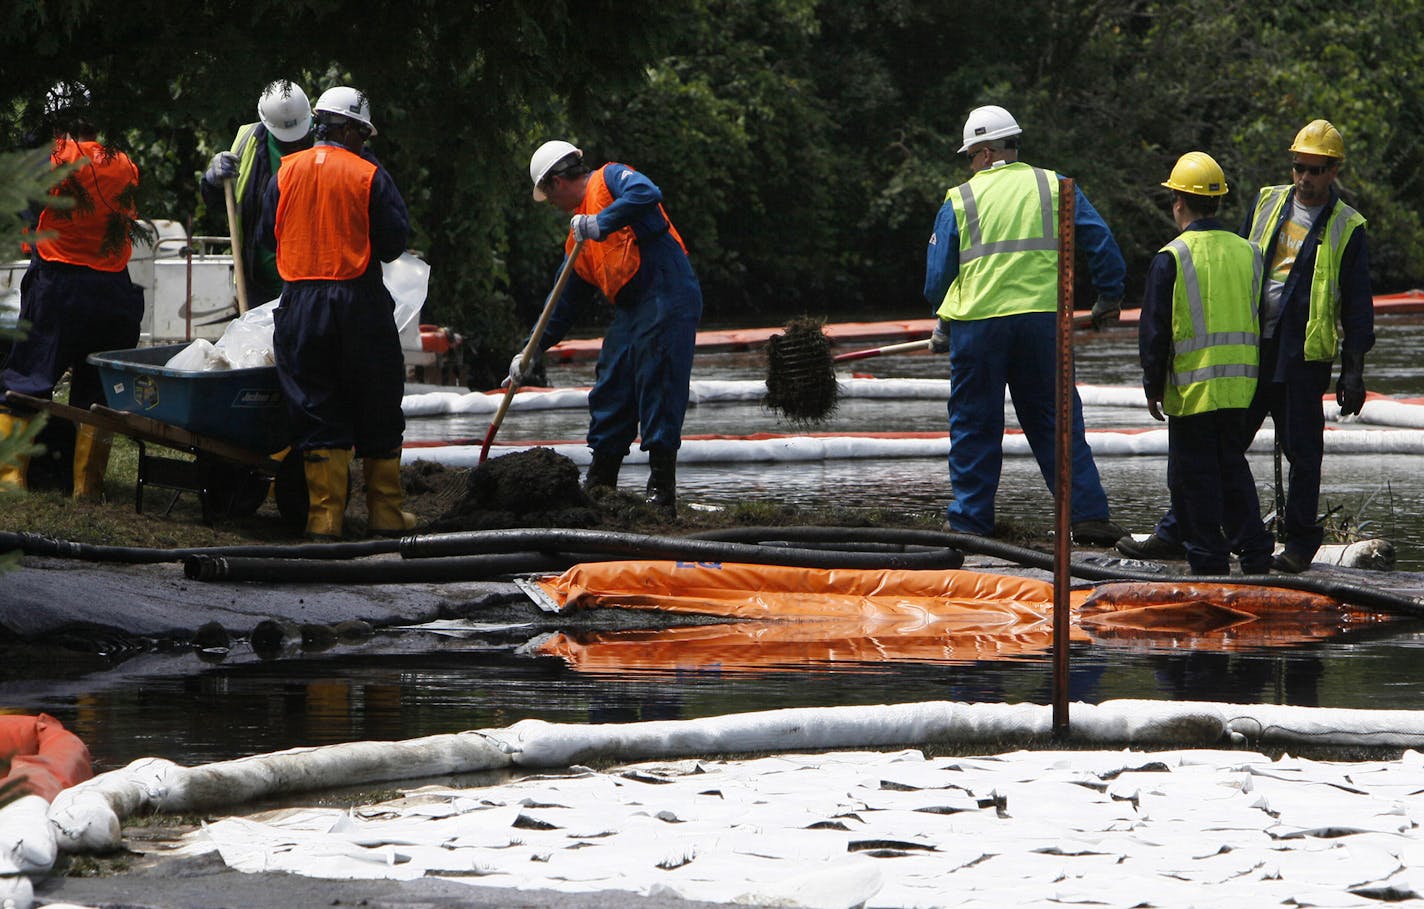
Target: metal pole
(1063, 460)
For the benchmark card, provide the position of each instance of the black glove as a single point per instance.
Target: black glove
(1106, 312)
(939, 341)
(1350, 390)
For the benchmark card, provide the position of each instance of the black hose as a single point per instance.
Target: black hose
(370, 571)
(605, 543)
(1345, 592)
(37, 545)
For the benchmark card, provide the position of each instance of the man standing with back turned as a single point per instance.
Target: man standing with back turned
(1316, 299)
(992, 269)
(333, 217)
(76, 294)
(1199, 340)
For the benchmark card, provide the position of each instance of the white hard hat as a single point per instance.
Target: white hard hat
(985, 124)
(348, 102)
(544, 159)
(285, 110)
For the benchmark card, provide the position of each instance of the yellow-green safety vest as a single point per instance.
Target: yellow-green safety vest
(246, 151)
(1007, 218)
(1216, 327)
(1322, 325)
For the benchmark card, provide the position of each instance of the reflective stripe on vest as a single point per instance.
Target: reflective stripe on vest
(1322, 332)
(1008, 244)
(610, 263)
(1215, 322)
(94, 232)
(324, 215)
(246, 151)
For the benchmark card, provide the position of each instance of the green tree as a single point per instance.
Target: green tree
(25, 177)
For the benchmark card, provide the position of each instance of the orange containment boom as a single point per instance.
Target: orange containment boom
(793, 618)
(789, 593)
(1217, 616)
(42, 753)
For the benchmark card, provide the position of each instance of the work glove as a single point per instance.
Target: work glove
(223, 166)
(1106, 312)
(585, 227)
(516, 375)
(939, 341)
(1350, 389)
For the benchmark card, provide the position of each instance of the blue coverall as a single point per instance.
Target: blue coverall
(1020, 352)
(645, 363)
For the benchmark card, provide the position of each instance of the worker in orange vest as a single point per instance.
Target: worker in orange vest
(636, 259)
(333, 215)
(76, 294)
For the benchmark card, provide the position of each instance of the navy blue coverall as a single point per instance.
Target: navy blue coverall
(338, 352)
(1291, 387)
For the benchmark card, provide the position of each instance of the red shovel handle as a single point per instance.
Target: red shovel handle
(906, 347)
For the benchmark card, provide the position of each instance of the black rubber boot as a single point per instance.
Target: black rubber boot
(662, 480)
(603, 471)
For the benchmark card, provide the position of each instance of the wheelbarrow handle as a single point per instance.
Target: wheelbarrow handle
(533, 345)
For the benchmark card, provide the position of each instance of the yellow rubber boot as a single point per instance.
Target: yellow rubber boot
(384, 497)
(12, 476)
(327, 471)
(91, 460)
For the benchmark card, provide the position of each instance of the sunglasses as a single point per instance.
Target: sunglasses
(1314, 170)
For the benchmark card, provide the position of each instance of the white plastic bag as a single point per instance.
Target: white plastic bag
(200, 356)
(408, 279)
(247, 340)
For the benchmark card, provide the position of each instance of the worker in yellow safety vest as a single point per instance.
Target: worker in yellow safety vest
(1199, 343)
(1316, 302)
(283, 126)
(992, 270)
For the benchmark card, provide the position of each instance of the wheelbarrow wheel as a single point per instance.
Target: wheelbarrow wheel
(234, 491)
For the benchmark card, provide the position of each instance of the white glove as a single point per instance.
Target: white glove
(223, 165)
(585, 227)
(516, 375)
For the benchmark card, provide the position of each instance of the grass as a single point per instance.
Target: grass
(115, 521)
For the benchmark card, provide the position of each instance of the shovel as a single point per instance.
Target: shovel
(234, 234)
(532, 346)
(904, 347)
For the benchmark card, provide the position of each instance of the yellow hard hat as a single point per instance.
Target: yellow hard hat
(1199, 174)
(1319, 137)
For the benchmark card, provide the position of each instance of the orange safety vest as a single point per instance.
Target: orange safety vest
(612, 262)
(323, 222)
(93, 233)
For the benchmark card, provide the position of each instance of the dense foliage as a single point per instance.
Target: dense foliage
(803, 145)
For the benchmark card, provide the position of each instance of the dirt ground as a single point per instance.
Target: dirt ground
(533, 488)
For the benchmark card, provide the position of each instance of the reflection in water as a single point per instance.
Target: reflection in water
(240, 708)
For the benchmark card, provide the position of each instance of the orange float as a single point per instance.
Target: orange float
(42, 755)
(798, 618)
